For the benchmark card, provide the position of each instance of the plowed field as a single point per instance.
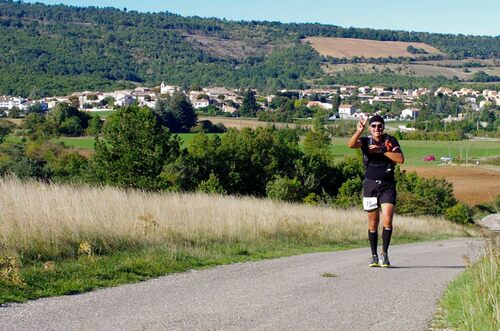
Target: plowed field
(471, 185)
(350, 47)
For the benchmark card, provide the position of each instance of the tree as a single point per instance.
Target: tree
(5, 129)
(135, 149)
(14, 113)
(107, 101)
(95, 125)
(249, 105)
(336, 101)
(176, 112)
(317, 142)
(35, 126)
(74, 101)
(67, 120)
(92, 97)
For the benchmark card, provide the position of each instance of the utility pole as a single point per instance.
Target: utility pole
(466, 153)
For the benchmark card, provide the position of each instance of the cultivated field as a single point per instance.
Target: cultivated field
(350, 47)
(420, 69)
(240, 123)
(472, 185)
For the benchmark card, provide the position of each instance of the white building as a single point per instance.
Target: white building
(10, 102)
(200, 103)
(125, 100)
(346, 110)
(383, 99)
(410, 113)
(167, 89)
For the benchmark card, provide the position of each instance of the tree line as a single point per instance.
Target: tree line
(138, 151)
(51, 50)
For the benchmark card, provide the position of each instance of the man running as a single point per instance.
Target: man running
(381, 152)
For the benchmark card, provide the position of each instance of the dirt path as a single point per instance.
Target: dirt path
(472, 185)
(291, 293)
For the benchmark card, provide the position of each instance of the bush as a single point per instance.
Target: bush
(411, 204)
(459, 213)
(312, 199)
(350, 193)
(208, 127)
(284, 188)
(211, 185)
(422, 196)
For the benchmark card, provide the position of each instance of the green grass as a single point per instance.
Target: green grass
(188, 137)
(416, 150)
(472, 300)
(329, 275)
(104, 113)
(87, 142)
(86, 273)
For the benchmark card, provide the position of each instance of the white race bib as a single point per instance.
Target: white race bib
(370, 203)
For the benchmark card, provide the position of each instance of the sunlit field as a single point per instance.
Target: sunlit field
(52, 220)
(59, 240)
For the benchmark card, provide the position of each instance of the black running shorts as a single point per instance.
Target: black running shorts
(377, 192)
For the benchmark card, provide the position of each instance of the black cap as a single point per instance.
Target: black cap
(376, 118)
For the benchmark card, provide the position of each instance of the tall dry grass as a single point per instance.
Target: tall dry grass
(42, 221)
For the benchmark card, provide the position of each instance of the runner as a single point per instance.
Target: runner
(381, 152)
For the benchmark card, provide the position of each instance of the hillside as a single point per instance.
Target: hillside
(48, 50)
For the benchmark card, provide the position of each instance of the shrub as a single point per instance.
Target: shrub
(350, 193)
(422, 196)
(460, 213)
(284, 188)
(208, 127)
(211, 185)
(312, 199)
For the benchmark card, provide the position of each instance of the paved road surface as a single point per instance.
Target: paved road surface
(281, 294)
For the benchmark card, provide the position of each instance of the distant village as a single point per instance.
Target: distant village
(228, 100)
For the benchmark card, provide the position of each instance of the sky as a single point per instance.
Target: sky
(479, 17)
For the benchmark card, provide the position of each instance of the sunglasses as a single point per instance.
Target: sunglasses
(378, 126)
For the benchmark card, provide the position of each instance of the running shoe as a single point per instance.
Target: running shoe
(373, 261)
(385, 261)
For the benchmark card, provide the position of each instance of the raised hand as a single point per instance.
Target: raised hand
(362, 124)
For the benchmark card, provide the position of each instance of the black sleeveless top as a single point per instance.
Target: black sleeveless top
(377, 165)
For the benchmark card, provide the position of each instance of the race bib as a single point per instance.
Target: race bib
(370, 203)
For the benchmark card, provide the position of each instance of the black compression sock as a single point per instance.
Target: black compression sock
(373, 238)
(386, 239)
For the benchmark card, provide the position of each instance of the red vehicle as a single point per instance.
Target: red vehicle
(430, 158)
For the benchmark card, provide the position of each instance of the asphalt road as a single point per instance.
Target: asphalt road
(281, 294)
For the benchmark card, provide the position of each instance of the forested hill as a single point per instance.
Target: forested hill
(47, 50)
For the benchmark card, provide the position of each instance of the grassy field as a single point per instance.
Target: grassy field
(88, 142)
(77, 142)
(472, 301)
(416, 150)
(63, 240)
(420, 69)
